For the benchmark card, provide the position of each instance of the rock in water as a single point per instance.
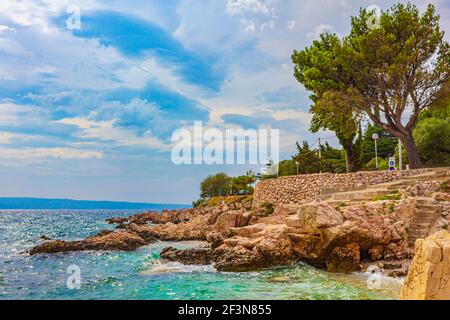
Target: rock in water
(105, 240)
(344, 259)
(429, 275)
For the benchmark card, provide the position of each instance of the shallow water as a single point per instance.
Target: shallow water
(141, 275)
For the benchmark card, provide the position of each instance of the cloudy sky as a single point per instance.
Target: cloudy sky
(88, 113)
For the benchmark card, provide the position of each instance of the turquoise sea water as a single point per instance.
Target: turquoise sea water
(140, 274)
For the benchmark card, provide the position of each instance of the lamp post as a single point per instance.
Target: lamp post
(297, 164)
(375, 137)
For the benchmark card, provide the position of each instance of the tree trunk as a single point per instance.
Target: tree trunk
(353, 152)
(353, 158)
(412, 152)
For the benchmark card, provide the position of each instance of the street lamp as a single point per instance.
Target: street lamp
(297, 164)
(375, 137)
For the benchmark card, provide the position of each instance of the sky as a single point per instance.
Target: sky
(87, 110)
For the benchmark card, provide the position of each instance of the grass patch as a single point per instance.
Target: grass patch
(445, 186)
(395, 195)
(217, 201)
(268, 207)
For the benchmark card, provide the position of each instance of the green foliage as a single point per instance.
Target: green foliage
(333, 160)
(318, 69)
(287, 168)
(392, 196)
(220, 184)
(199, 203)
(445, 186)
(308, 160)
(228, 200)
(268, 207)
(433, 138)
(242, 184)
(383, 164)
(386, 144)
(215, 185)
(389, 73)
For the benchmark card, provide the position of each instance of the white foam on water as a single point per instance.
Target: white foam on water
(159, 267)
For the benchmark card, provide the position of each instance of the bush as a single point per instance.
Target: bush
(432, 137)
(269, 208)
(383, 164)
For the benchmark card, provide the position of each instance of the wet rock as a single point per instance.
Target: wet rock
(121, 241)
(145, 232)
(397, 273)
(117, 220)
(344, 259)
(188, 257)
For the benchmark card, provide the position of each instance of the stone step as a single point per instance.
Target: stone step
(424, 201)
(419, 226)
(424, 219)
(428, 207)
(399, 186)
(423, 213)
(366, 195)
(418, 235)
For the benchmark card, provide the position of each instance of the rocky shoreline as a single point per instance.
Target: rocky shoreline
(341, 238)
(244, 239)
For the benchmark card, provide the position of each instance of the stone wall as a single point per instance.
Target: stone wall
(302, 189)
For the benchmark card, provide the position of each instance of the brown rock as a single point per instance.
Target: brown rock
(344, 259)
(122, 241)
(188, 257)
(429, 274)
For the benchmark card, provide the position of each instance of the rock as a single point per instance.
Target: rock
(145, 232)
(188, 257)
(280, 279)
(376, 253)
(45, 238)
(397, 273)
(429, 274)
(117, 220)
(315, 233)
(122, 241)
(344, 259)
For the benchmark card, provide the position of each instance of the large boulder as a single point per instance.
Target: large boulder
(344, 259)
(429, 274)
(315, 233)
(105, 240)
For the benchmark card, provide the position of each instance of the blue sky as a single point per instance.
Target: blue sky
(88, 114)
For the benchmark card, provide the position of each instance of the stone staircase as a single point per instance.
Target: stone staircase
(385, 190)
(425, 215)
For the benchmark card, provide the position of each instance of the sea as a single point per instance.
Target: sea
(142, 275)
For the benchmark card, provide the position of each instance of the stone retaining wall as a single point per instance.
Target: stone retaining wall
(302, 189)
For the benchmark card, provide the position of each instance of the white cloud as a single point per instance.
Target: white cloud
(291, 24)
(59, 153)
(244, 6)
(267, 25)
(4, 28)
(318, 30)
(249, 25)
(12, 47)
(105, 131)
